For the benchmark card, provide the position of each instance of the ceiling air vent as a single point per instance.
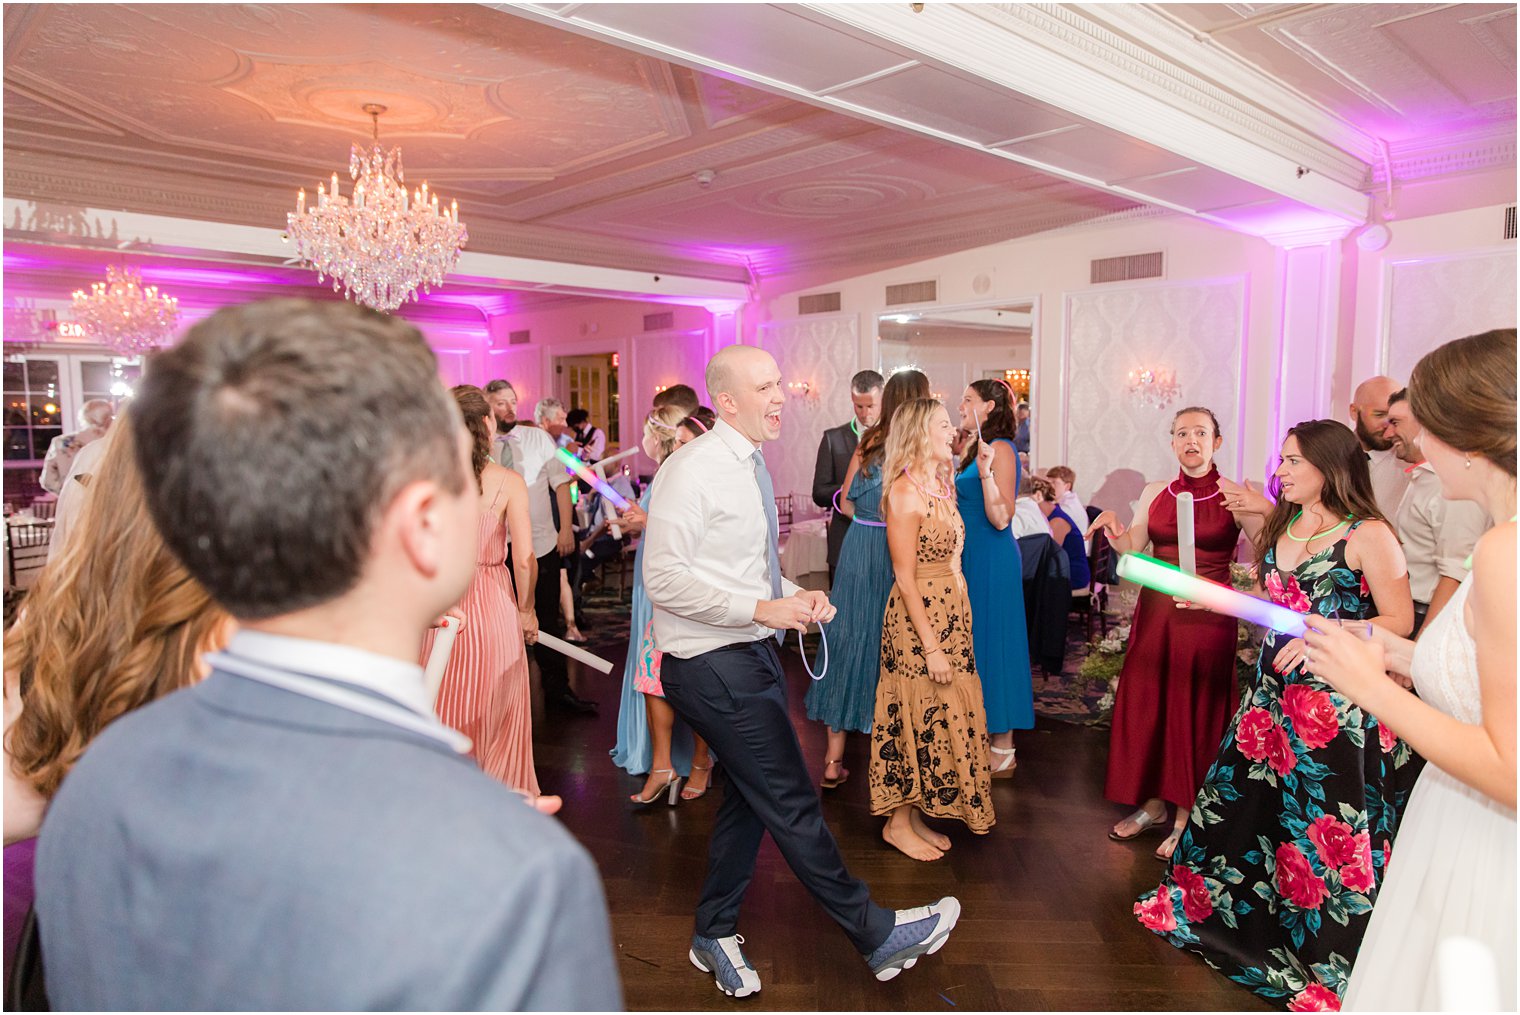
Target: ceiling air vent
(1126, 269)
(519, 337)
(660, 322)
(1509, 223)
(819, 303)
(912, 292)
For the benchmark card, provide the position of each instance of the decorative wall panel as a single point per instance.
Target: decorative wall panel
(821, 351)
(1196, 330)
(1430, 301)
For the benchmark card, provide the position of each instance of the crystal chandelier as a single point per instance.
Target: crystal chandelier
(382, 243)
(1153, 389)
(124, 314)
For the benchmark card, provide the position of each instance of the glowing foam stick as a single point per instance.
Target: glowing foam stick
(1166, 579)
(600, 468)
(1187, 550)
(591, 479)
(569, 651)
(438, 658)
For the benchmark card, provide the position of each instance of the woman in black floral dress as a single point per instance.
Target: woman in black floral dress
(929, 745)
(1274, 878)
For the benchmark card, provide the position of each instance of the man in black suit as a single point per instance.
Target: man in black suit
(834, 453)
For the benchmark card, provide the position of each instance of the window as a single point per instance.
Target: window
(33, 417)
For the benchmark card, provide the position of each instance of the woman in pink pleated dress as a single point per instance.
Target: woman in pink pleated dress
(485, 689)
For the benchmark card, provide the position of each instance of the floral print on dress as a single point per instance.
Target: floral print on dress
(1274, 878)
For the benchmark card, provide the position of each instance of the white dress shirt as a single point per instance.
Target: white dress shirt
(71, 499)
(1388, 481)
(1072, 505)
(1028, 519)
(706, 562)
(1438, 534)
(533, 457)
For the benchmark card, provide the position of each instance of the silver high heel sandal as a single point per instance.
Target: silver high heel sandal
(671, 790)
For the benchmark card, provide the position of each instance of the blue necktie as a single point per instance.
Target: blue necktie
(773, 524)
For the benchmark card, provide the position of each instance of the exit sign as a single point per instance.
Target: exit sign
(70, 329)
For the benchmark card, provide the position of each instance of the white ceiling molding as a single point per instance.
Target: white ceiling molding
(1491, 147)
(997, 54)
(1214, 83)
(134, 232)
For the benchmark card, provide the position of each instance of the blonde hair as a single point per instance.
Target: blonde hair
(663, 425)
(113, 622)
(908, 446)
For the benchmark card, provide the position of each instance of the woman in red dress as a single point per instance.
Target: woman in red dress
(485, 692)
(1177, 689)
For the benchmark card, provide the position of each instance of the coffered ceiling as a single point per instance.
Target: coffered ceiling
(739, 142)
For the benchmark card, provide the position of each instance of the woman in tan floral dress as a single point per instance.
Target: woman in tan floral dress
(929, 745)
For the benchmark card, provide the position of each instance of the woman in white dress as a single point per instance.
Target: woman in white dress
(1455, 873)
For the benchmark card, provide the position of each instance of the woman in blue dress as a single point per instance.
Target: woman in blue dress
(986, 488)
(846, 697)
(1064, 529)
(649, 738)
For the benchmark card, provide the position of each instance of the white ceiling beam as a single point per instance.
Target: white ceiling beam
(132, 232)
(980, 41)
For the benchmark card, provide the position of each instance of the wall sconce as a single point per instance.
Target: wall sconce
(661, 387)
(1153, 389)
(801, 389)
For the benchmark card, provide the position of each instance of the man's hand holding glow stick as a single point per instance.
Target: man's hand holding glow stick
(591, 479)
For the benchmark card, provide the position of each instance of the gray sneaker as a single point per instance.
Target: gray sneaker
(721, 957)
(919, 931)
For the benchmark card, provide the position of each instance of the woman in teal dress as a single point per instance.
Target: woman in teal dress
(666, 756)
(986, 488)
(846, 697)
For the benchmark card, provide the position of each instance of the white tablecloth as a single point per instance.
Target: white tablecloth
(805, 550)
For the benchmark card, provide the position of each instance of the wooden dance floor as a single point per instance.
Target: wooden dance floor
(1046, 922)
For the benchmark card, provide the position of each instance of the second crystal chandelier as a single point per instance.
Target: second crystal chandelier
(383, 243)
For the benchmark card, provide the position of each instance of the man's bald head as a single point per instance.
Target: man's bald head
(744, 384)
(1369, 409)
(732, 366)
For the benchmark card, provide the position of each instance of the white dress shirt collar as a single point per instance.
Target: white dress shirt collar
(399, 681)
(740, 445)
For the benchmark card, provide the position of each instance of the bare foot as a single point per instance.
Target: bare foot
(909, 843)
(924, 832)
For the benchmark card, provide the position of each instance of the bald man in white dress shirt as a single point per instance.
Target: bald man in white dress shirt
(712, 571)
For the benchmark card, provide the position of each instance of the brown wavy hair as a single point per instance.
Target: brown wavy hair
(902, 387)
(113, 622)
(474, 407)
(1000, 424)
(1332, 448)
(1464, 393)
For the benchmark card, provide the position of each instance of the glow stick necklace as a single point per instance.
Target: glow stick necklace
(823, 651)
(1310, 539)
(928, 493)
(855, 426)
(1196, 499)
(855, 517)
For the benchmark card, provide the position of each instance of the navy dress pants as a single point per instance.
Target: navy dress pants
(735, 698)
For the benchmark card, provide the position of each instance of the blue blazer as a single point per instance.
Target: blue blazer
(239, 846)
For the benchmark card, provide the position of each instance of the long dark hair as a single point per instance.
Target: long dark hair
(901, 388)
(1000, 422)
(474, 407)
(1332, 448)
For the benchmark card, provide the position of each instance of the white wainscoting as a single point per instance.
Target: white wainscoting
(1196, 329)
(822, 351)
(1428, 301)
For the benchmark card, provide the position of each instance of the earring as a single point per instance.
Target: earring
(1467, 464)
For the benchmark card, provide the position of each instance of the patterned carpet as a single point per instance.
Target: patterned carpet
(1064, 696)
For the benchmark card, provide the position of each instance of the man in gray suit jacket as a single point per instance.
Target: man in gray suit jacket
(297, 831)
(834, 453)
